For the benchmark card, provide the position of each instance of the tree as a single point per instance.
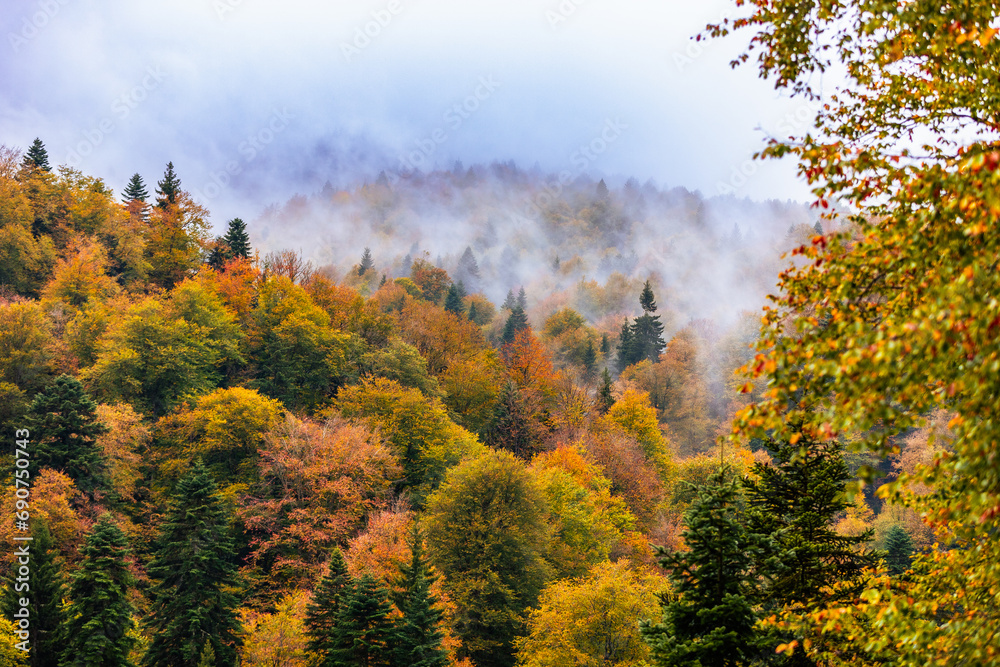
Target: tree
(899, 550)
(646, 299)
(192, 600)
(468, 270)
(168, 188)
(418, 635)
(364, 636)
(64, 425)
(366, 262)
(522, 299)
(708, 618)
(486, 533)
(324, 607)
(905, 278)
(277, 638)
(99, 617)
(37, 157)
(605, 399)
(511, 427)
(601, 191)
(237, 239)
(589, 359)
(45, 592)
(647, 330)
(473, 313)
(516, 323)
(135, 190)
(626, 350)
(453, 301)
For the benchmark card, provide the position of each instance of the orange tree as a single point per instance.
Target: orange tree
(898, 312)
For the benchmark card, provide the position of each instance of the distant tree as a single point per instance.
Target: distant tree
(135, 190)
(64, 426)
(237, 239)
(605, 345)
(511, 427)
(602, 190)
(192, 599)
(516, 323)
(99, 618)
(323, 610)
(473, 314)
(626, 348)
(604, 397)
(366, 262)
(818, 227)
(899, 550)
(522, 299)
(364, 635)
(168, 188)
(589, 359)
(36, 157)
(453, 301)
(468, 270)
(418, 637)
(510, 302)
(647, 330)
(646, 299)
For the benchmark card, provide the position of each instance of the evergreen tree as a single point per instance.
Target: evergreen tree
(522, 299)
(605, 344)
(626, 348)
(45, 594)
(899, 550)
(418, 637)
(818, 227)
(708, 617)
(646, 299)
(99, 617)
(237, 239)
(365, 631)
(63, 423)
(382, 282)
(589, 358)
(323, 610)
(366, 262)
(36, 157)
(135, 190)
(453, 301)
(473, 314)
(468, 270)
(219, 254)
(604, 397)
(510, 302)
(647, 331)
(602, 190)
(192, 600)
(168, 189)
(510, 427)
(516, 323)
(207, 656)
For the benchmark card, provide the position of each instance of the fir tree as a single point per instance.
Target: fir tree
(818, 227)
(510, 428)
(45, 594)
(626, 348)
(453, 301)
(899, 550)
(168, 189)
(473, 314)
(604, 397)
(135, 190)
(605, 344)
(602, 190)
(708, 617)
(418, 637)
(589, 359)
(99, 616)
(322, 611)
(366, 262)
(468, 270)
(646, 298)
(237, 239)
(63, 423)
(192, 600)
(36, 157)
(510, 302)
(207, 656)
(364, 631)
(382, 282)
(516, 323)
(522, 299)
(647, 331)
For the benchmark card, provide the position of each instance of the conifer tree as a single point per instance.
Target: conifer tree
(37, 157)
(605, 344)
(192, 600)
(473, 313)
(899, 550)
(646, 298)
(63, 423)
(708, 618)
(468, 270)
(589, 359)
(135, 190)
(602, 190)
(453, 301)
(647, 330)
(366, 262)
(418, 637)
(219, 254)
(626, 348)
(522, 299)
(167, 189)
(510, 301)
(45, 593)
(99, 616)
(516, 323)
(323, 610)
(510, 427)
(207, 656)
(365, 631)
(604, 397)
(237, 239)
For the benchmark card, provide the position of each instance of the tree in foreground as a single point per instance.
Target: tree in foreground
(892, 312)
(418, 636)
(364, 635)
(324, 607)
(192, 601)
(708, 618)
(99, 616)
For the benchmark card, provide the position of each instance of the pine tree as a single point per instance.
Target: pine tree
(168, 189)
(45, 593)
(364, 632)
(418, 637)
(63, 423)
(899, 550)
(99, 616)
(36, 157)
(135, 190)
(382, 282)
(237, 239)
(516, 323)
(708, 617)
(323, 610)
(219, 254)
(366, 262)
(818, 227)
(510, 427)
(453, 301)
(192, 600)
(605, 399)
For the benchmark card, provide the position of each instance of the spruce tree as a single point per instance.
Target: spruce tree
(99, 616)
(604, 397)
(522, 299)
(510, 427)
(418, 638)
(647, 331)
(324, 607)
(473, 313)
(453, 301)
(516, 323)
(36, 157)
(589, 359)
(510, 302)
(468, 270)
(605, 344)
(365, 630)
(899, 550)
(135, 190)
(626, 348)
(602, 190)
(708, 617)
(366, 262)
(63, 423)
(219, 254)
(192, 600)
(45, 593)
(237, 239)
(646, 298)
(168, 189)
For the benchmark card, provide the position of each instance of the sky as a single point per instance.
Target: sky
(255, 101)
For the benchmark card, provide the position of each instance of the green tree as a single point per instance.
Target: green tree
(486, 533)
(418, 636)
(708, 618)
(627, 354)
(647, 330)
(589, 359)
(36, 157)
(516, 323)
(453, 301)
(135, 190)
(364, 635)
(168, 188)
(366, 262)
(511, 427)
(237, 239)
(99, 618)
(64, 425)
(899, 550)
(324, 607)
(192, 600)
(605, 399)
(45, 591)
